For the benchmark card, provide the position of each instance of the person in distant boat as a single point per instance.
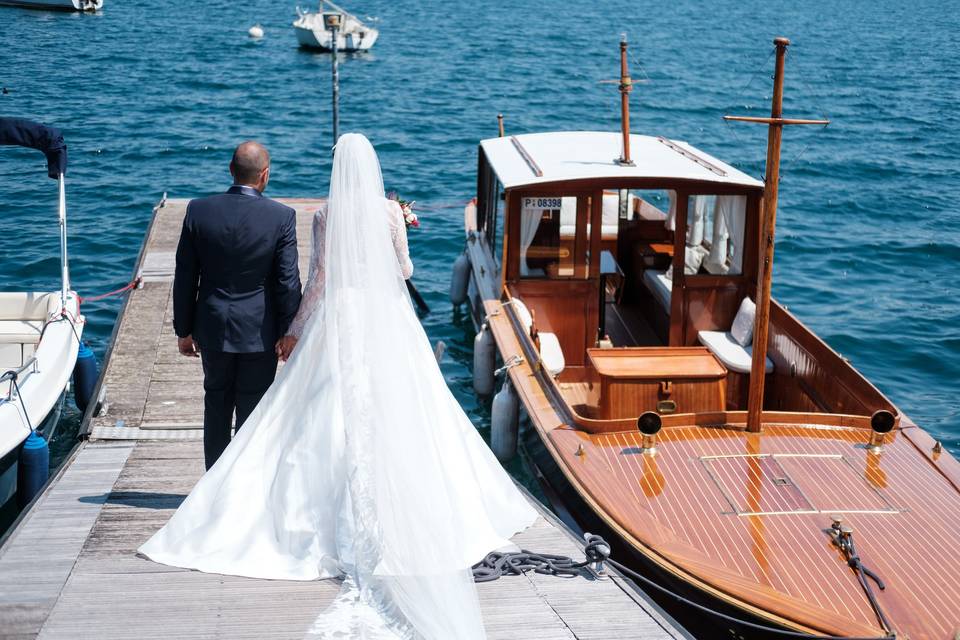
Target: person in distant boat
(358, 463)
(236, 290)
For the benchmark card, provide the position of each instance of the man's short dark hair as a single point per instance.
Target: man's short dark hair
(249, 160)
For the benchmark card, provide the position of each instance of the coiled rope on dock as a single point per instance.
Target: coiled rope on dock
(497, 564)
(597, 552)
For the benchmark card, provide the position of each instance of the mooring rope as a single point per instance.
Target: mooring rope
(843, 538)
(133, 284)
(597, 551)
(498, 563)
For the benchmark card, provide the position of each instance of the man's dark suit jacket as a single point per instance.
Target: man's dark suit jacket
(237, 284)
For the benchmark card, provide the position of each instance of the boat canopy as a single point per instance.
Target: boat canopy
(49, 140)
(540, 158)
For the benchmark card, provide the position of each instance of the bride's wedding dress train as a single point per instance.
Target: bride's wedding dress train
(358, 462)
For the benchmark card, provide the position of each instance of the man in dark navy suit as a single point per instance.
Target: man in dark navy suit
(236, 289)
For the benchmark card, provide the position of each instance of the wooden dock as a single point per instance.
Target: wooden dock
(69, 569)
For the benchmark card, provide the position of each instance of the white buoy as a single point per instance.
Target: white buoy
(460, 280)
(256, 31)
(505, 422)
(484, 358)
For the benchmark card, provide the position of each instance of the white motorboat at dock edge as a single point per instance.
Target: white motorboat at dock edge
(40, 337)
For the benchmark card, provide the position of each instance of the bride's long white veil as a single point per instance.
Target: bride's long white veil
(408, 547)
(358, 461)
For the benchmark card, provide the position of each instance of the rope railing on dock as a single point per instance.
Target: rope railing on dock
(597, 552)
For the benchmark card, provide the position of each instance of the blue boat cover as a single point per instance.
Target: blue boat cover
(26, 133)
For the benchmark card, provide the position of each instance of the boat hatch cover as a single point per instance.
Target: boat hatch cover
(785, 484)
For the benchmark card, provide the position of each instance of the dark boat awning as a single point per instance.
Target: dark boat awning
(49, 140)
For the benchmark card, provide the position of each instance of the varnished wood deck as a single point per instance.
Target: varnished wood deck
(69, 569)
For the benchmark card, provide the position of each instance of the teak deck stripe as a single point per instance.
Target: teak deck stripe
(70, 570)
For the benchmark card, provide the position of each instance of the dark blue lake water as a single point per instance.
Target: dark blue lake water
(152, 98)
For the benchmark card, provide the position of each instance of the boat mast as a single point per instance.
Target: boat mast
(761, 326)
(626, 86)
(64, 265)
(333, 22)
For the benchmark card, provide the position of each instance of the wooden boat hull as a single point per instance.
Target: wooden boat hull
(751, 507)
(741, 572)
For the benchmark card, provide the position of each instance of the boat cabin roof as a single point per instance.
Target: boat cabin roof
(540, 158)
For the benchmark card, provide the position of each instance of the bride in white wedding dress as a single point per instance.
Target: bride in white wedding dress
(358, 462)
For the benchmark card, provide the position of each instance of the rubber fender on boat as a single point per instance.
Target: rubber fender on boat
(484, 359)
(33, 468)
(460, 280)
(505, 422)
(85, 376)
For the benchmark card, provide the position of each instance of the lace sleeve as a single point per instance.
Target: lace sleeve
(315, 281)
(398, 231)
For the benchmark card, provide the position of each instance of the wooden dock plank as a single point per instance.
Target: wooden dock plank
(70, 569)
(36, 560)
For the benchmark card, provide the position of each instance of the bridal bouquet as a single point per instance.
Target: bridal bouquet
(406, 206)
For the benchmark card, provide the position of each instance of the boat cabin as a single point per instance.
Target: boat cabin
(635, 282)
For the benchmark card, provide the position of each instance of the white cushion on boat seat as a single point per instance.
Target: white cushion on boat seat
(28, 306)
(20, 331)
(659, 285)
(550, 352)
(523, 314)
(734, 356)
(742, 328)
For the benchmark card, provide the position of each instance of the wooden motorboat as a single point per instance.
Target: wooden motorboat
(40, 335)
(770, 481)
(353, 34)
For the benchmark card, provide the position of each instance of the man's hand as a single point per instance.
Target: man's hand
(188, 347)
(285, 346)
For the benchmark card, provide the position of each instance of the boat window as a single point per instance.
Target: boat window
(548, 229)
(715, 230)
(642, 204)
(489, 203)
(494, 230)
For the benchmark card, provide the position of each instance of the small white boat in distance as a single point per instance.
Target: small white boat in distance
(354, 35)
(40, 336)
(59, 5)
